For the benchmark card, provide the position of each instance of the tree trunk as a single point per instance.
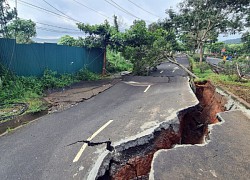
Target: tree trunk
(180, 65)
(104, 62)
(201, 58)
(201, 53)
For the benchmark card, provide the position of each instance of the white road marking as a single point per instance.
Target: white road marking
(132, 83)
(78, 155)
(175, 69)
(147, 88)
(161, 72)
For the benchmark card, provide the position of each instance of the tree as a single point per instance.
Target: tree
(116, 23)
(145, 48)
(246, 42)
(6, 15)
(216, 47)
(99, 36)
(71, 41)
(66, 40)
(22, 30)
(200, 21)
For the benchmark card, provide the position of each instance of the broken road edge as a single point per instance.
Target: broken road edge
(106, 165)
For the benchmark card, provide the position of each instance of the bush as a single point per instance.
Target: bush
(29, 90)
(86, 75)
(117, 63)
(196, 58)
(49, 79)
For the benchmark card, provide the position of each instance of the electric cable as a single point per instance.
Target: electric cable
(80, 3)
(114, 4)
(60, 11)
(143, 8)
(53, 30)
(121, 9)
(57, 26)
(43, 9)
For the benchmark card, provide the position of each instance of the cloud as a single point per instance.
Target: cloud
(85, 15)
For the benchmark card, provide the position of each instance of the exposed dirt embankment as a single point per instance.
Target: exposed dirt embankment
(135, 162)
(194, 121)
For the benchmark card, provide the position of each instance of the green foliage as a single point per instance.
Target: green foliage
(86, 75)
(196, 57)
(49, 79)
(241, 7)
(22, 30)
(234, 48)
(19, 89)
(6, 15)
(30, 90)
(216, 47)
(145, 48)
(70, 41)
(116, 23)
(226, 80)
(246, 41)
(230, 67)
(98, 35)
(117, 63)
(199, 22)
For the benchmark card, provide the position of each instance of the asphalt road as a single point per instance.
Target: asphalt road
(214, 61)
(226, 156)
(39, 150)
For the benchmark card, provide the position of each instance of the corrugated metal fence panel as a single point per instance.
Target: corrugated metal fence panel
(7, 55)
(93, 62)
(33, 59)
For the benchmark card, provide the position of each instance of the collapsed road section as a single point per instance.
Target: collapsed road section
(132, 160)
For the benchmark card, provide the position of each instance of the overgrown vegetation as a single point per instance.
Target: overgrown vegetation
(228, 81)
(117, 63)
(16, 89)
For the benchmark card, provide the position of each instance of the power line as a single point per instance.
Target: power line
(43, 9)
(114, 4)
(60, 11)
(123, 10)
(53, 30)
(143, 9)
(92, 9)
(57, 26)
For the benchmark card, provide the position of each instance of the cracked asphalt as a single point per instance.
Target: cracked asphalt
(39, 149)
(226, 156)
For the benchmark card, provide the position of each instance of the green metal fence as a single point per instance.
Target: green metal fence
(33, 59)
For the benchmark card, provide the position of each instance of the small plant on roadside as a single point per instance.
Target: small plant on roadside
(117, 63)
(49, 79)
(30, 90)
(86, 75)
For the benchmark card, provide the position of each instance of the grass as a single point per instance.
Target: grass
(228, 82)
(117, 63)
(30, 90)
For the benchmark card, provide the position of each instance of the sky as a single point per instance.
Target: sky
(66, 13)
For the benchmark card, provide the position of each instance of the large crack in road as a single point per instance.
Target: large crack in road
(189, 127)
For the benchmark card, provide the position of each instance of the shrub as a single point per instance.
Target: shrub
(86, 75)
(196, 58)
(117, 63)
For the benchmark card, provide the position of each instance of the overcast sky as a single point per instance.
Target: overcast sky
(80, 11)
